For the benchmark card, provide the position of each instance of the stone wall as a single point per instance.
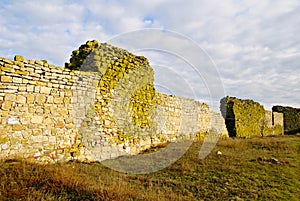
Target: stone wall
(247, 118)
(291, 118)
(107, 109)
(183, 118)
(37, 104)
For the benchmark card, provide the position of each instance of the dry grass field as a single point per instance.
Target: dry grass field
(248, 169)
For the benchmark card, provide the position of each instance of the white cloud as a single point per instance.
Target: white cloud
(255, 44)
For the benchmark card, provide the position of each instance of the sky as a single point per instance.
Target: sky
(253, 44)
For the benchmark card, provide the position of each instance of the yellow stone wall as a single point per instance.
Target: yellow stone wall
(101, 106)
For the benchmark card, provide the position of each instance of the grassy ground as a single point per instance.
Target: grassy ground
(252, 169)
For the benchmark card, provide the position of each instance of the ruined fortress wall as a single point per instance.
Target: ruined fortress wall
(181, 117)
(247, 118)
(37, 101)
(291, 118)
(272, 124)
(55, 114)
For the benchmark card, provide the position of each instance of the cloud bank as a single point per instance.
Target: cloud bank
(254, 44)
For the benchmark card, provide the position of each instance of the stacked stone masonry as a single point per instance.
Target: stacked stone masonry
(103, 105)
(247, 118)
(51, 113)
(36, 108)
(291, 118)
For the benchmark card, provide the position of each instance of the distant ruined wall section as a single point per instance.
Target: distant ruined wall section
(247, 118)
(51, 113)
(291, 118)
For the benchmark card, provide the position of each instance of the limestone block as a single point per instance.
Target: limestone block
(3, 113)
(22, 88)
(45, 90)
(47, 109)
(6, 105)
(37, 139)
(68, 93)
(58, 100)
(40, 62)
(38, 71)
(67, 100)
(21, 99)
(50, 99)
(12, 120)
(24, 120)
(50, 84)
(63, 112)
(33, 82)
(37, 89)
(30, 88)
(42, 82)
(19, 58)
(13, 87)
(6, 78)
(49, 121)
(39, 111)
(59, 124)
(10, 97)
(18, 127)
(55, 85)
(31, 110)
(37, 119)
(10, 91)
(17, 80)
(52, 140)
(40, 98)
(30, 98)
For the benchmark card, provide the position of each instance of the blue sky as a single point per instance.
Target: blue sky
(255, 44)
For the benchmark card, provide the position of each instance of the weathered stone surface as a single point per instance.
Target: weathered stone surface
(6, 78)
(12, 120)
(21, 99)
(6, 105)
(37, 119)
(58, 100)
(246, 118)
(45, 90)
(40, 98)
(30, 98)
(22, 88)
(19, 58)
(10, 97)
(50, 99)
(17, 80)
(18, 127)
(59, 124)
(30, 88)
(63, 111)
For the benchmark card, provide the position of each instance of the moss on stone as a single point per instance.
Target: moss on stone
(121, 72)
(78, 56)
(243, 118)
(19, 58)
(141, 103)
(278, 130)
(291, 118)
(4, 140)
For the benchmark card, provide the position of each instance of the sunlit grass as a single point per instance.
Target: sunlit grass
(242, 172)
